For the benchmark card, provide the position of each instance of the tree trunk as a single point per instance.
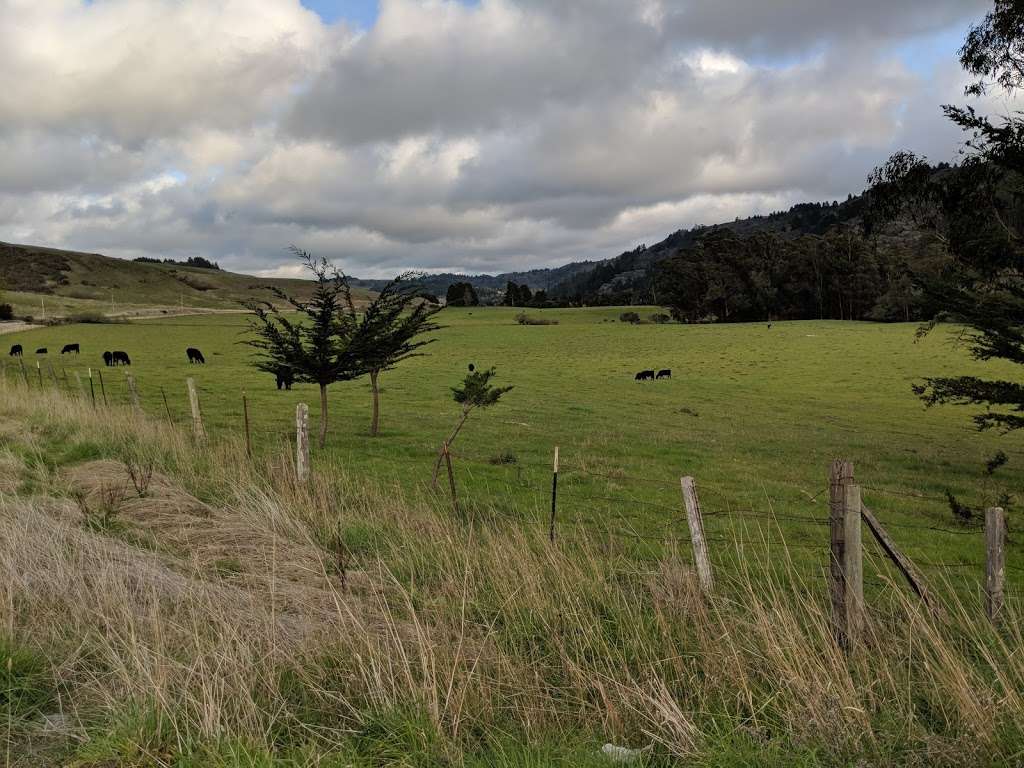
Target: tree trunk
(375, 421)
(323, 415)
(448, 442)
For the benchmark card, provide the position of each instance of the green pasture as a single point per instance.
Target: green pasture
(755, 414)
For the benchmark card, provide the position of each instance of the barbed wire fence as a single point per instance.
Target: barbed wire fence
(653, 514)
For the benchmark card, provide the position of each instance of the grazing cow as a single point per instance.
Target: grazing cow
(42, 351)
(68, 348)
(644, 376)
(16, 350)
(664, 373)
(108, 359)
(195, 356)
(285, 378)
(120, 358)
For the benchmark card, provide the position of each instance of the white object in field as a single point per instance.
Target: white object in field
(619, 754)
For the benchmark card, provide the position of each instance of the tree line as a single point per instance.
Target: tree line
(841, 275)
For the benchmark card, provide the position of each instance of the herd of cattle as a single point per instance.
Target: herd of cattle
(664, 373)
(285, 376)
(110, 359)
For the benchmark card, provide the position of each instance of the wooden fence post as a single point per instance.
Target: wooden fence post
(846, 567)
(995, 561)
(245, 417)
(197, 417)
(133, 392)
(39, 370)
(103, 388)
(554, 496)
(302, 441)
(92, 388)
(700, 547)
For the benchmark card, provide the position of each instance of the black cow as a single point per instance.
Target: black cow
(108, 359)
(195, 356)
(42, 351)
(16, 350)
(285, 378)
(644, 376)
(120, 358)
(665, 373)
(71, 348)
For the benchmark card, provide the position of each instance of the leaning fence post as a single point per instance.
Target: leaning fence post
(103, 389)
(167, 408)
(902, 562)
(554, 495)
(846, 566)
(197, 416)
(92, 388)
(700, 546)
(995, 561)
(39, 370)
(302, 441)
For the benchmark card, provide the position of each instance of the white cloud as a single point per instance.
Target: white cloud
(497, 135)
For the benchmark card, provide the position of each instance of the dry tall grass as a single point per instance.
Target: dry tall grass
(230, 603)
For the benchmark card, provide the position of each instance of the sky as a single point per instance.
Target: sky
(452, 135)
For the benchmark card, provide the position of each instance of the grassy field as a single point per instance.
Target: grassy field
(754, 413)
(218, 613)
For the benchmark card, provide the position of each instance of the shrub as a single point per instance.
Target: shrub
(6, 312)
(660, 318)
(524, 319)
(629, 317)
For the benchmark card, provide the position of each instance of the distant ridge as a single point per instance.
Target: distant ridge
(93, 282)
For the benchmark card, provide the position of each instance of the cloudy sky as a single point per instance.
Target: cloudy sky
(447, 134)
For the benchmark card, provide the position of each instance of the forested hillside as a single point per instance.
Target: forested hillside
(812, 261)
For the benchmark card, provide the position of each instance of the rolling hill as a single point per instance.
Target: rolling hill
(50, 282)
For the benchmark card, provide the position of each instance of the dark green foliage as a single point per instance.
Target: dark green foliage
(388, 331)
(192, 261)
(390, 325)
(332, 343)
(477, 391)
(521, 296)
(994, 49)
(961, 512)
(999, 459)
(629, 317)
(319, 349)
(728, 277)
(6, 312)
(201, 263)
(462, 295)
(974, 212)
